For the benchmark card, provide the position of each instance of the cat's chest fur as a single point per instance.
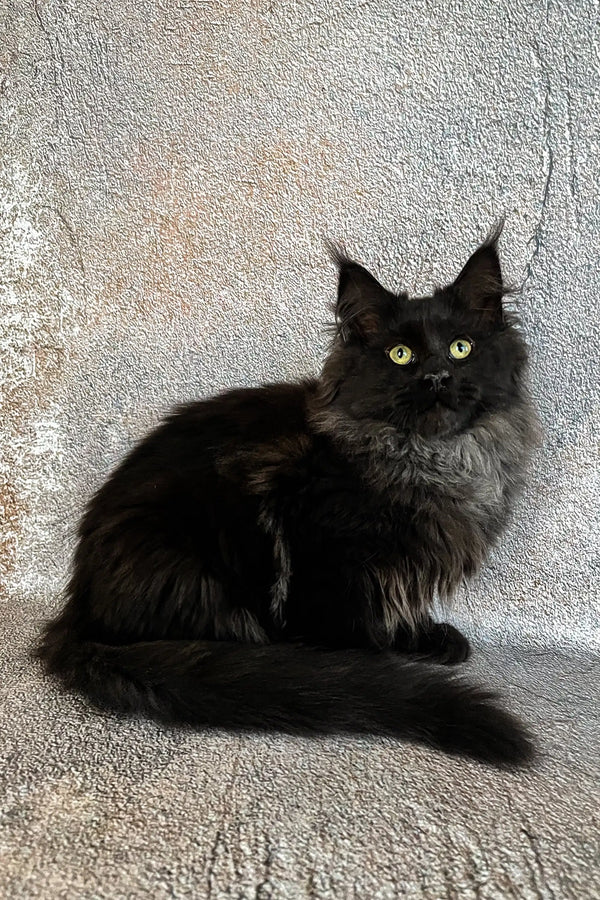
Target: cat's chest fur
(468, 477)
(396, 518)
(433, 507)
(445, 504)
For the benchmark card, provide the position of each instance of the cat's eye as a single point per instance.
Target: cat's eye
(460, 348)
(400, 354)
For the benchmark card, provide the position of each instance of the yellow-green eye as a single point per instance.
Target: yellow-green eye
(400, 354)
(460, 348)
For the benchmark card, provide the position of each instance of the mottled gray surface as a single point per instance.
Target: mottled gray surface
(167, 174)
(97, 807)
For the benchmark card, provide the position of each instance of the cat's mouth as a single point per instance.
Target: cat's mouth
(432, 415)
(439, 418)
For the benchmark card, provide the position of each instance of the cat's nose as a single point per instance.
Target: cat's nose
(438, 381)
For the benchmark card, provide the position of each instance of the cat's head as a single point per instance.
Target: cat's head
(430, 366)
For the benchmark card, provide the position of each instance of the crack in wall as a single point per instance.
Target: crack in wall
(538, 871)
(58, 64)
(573, 179)
(536, 238)
(334, 18)
(74, 241)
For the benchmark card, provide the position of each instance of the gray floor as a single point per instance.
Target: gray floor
(97, 807)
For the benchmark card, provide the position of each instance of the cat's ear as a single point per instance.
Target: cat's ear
(479, 286)
(362, 303)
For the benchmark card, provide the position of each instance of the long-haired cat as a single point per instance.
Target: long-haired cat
(268, 558)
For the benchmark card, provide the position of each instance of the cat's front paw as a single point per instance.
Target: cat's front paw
(444, 644)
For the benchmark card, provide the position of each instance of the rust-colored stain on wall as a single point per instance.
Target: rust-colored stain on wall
(11, 513)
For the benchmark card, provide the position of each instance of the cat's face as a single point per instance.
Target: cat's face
(430, 366)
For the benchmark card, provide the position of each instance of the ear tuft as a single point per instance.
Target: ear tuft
(480, 283)
(337, 252)
(362, 302)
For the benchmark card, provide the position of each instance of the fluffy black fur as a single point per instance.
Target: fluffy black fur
(268, 558)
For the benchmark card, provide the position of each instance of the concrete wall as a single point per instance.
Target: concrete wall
(168, 173)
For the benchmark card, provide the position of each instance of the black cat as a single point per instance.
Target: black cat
(268, 558)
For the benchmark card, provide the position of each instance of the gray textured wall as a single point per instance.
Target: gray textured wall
(168, 172)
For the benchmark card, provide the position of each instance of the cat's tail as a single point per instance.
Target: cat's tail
(291, 688)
